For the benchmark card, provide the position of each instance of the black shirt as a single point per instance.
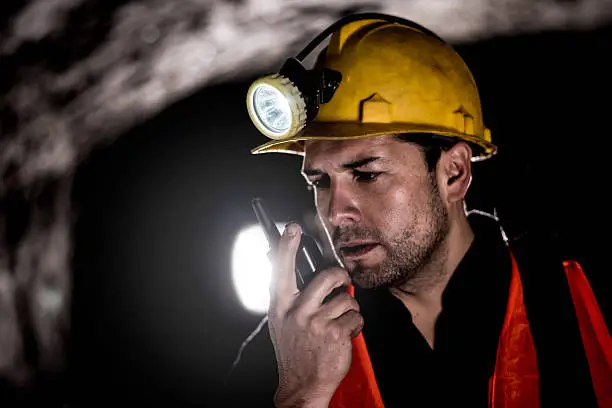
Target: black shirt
(458, 368)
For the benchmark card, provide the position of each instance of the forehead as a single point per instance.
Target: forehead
(336, 152)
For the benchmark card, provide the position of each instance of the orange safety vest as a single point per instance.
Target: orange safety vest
(515, 381)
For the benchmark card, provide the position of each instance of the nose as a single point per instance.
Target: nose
(343, 208)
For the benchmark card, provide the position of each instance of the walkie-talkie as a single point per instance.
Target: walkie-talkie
(309, 259)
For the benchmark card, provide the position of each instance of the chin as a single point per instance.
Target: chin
(366, 278)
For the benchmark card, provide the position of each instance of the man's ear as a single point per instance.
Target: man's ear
(455, 172)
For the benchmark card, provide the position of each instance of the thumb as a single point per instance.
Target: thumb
(283, 288)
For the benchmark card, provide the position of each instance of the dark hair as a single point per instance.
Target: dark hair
(431, 145)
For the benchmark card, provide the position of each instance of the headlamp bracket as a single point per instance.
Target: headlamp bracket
(317, 86)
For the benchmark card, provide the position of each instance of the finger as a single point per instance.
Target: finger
(321, 286)
(350, 323)
(283, 287)
(339, 305)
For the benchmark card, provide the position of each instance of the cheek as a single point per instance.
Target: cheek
(397, 211)
(398, 208)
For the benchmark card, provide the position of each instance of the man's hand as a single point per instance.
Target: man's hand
(312, 341)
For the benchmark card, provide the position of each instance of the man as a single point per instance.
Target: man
(441, 310)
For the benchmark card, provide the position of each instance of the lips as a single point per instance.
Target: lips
(356, 249)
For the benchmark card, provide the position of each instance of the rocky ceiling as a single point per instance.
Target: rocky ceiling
(75, 72)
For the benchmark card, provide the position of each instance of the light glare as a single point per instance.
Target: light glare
(251, 268)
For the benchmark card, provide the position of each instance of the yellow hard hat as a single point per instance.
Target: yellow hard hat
(395, 79)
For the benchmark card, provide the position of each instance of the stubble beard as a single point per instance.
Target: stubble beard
(409, 254)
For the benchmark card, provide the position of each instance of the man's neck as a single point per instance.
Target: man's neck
(423, 296)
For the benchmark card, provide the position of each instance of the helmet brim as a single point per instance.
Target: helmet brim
(481, 148)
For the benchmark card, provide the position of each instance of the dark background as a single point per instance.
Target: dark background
(155, 318)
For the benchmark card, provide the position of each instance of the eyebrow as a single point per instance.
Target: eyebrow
(348, 166)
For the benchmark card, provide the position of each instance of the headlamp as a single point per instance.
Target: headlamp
(280, 105)
(277, 106)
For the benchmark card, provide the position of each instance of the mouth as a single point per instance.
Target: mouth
(356, 250)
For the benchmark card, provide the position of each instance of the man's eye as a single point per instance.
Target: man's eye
(365, 175)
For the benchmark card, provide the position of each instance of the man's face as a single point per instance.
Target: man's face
(379, 204)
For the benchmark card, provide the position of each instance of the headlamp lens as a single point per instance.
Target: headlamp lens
(272, 108)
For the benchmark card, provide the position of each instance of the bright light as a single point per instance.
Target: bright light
(251, 268)
(272, 108)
